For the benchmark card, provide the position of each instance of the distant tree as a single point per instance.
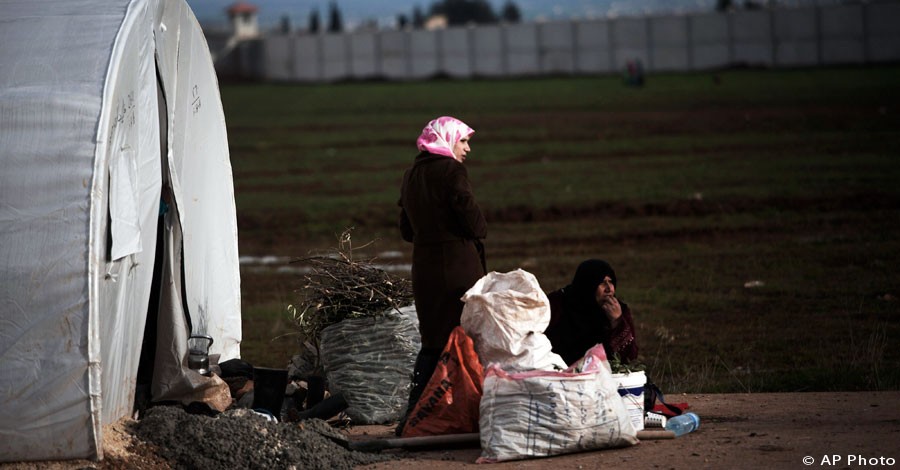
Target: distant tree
(402, 21)
(285, 24)
(418, 18)
(510, 12)
(750, 5)
(314, 21)
(335, 23)
(462, 12)
(724, 5)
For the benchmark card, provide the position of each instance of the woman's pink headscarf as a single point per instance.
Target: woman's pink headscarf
(440, 135)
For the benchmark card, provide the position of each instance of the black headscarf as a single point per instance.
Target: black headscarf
(582, 290)
(583, 323)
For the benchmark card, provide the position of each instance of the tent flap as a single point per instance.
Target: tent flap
(123, 204)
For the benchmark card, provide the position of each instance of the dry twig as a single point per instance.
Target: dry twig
(338, 287)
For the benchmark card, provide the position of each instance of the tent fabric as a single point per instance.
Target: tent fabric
(83, 173)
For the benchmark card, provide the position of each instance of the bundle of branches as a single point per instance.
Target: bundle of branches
(338, 287)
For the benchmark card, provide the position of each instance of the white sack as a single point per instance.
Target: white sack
(544, 413)
(506, 315)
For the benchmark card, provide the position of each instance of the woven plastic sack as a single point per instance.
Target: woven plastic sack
(545, 413)
(369, 361)
(506, 314)
(450, 401)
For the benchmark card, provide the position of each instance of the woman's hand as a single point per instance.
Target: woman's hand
(613, 310)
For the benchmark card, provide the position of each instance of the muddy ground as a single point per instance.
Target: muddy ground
(766, 430)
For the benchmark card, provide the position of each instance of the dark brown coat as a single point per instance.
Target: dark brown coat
(440, 217)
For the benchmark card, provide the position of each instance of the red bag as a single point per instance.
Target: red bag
(449, 404)
(652, 393)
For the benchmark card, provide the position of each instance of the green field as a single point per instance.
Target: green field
(692, 187)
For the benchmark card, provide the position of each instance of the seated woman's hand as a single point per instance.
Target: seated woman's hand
(610, 306)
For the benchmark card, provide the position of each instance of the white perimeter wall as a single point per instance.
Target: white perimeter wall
(797, 37)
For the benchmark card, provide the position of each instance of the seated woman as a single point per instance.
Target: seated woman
(586, 313)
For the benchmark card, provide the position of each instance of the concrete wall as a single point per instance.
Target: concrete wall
(593, 42)
(363, 51)
(522, 56)
(456, 52)
(795, 37)
(711, 42)
(882, 27)
(842, 35)
(671, 41)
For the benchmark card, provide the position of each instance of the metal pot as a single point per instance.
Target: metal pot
(198, 353)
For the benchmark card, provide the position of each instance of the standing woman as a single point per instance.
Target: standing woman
(440, 217)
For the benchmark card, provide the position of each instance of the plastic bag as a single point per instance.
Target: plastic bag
(544, 413)
(368, 360)
(449, 404)
(506, 315)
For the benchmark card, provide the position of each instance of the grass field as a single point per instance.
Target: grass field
(692, 187)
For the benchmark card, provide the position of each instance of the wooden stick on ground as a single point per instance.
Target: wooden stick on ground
(445, 440)
(467, 439)
(654, 434)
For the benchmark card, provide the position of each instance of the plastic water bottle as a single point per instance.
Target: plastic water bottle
(683, 424)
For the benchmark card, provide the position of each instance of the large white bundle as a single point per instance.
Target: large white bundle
(506, 314)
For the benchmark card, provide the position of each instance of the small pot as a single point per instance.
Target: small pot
(198, 353)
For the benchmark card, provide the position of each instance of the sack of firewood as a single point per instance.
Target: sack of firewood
(356, 322)
(368, 360)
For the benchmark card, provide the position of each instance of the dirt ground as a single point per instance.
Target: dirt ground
(770, 430)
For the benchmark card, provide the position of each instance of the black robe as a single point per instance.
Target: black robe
(577, 323)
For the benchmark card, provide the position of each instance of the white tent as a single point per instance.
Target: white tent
(106, 108)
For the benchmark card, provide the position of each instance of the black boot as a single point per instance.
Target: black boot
(426, 362)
